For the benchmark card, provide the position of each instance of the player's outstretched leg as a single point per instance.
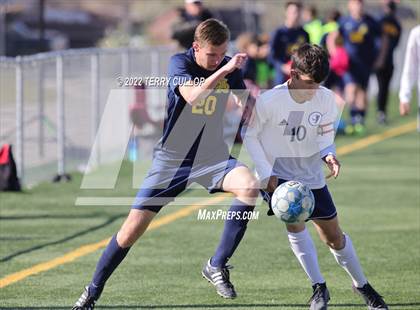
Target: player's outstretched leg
(243, 184)
(304, 249)
(134, 226)
(342, 248)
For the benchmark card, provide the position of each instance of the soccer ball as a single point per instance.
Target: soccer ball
(293, 202)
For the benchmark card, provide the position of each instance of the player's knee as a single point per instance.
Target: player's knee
(247, 187)
(336, 241)
(130, 232)
(255, 184)
(124, 239)
(251, 189)
(127, 237)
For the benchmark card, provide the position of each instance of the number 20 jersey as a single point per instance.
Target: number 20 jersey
(192, 131)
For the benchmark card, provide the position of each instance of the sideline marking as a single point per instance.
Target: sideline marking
(89, 248)
(365, 142)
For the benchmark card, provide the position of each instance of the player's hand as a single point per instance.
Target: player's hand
(272, 184)
(333, 164)
(404, 108)
(236, 62)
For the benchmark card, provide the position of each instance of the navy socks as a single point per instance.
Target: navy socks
(357, 116)
(110, 259)
(232, 235)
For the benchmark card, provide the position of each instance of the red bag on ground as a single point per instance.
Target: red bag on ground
(8, 173)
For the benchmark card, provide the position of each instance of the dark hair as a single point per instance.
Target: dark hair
(392, 6)
(297, 3)
(311, 60)
(333, 15)
(313, 10)
(212, 31)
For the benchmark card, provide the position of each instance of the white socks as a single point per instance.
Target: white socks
(347, 259)
(304, 249)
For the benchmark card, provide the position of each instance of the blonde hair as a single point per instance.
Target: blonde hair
(212, 31)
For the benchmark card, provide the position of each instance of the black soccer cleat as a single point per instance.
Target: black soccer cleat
(219, 277)
(320, 297)
(85, 302)
(373, 300)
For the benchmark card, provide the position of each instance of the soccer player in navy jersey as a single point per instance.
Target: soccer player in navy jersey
(192, 149)
(384, 65)
(285, 40)
(359, 32)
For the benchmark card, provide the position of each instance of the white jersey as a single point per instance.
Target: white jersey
(411, 71)
(288, 140)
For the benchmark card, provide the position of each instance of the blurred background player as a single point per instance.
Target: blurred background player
(304, 105)
(312, 24)
(248, 43)
(411, 74)
(285, 40)
(265, 71)
(384, 66)
(338, 56)
(331, 23)
(359, 32)
(193, 13)
(192, 149)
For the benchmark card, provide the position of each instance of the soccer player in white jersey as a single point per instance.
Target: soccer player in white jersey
(290, 137)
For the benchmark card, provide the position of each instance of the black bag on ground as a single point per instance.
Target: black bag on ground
(8, 174)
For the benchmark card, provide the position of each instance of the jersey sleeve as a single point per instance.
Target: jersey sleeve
(237, 80)
(179, 72)
(252, 141)
(326, 132)
(375, 27)
(411, 66)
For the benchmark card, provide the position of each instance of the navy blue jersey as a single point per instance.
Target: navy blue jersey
(188, 129)
(392, 29)
(249, 70)
(359, 39)
(285, 41)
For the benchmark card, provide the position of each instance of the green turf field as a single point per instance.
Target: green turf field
(377, 195)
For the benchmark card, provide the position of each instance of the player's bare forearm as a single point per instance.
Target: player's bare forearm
(194, 93)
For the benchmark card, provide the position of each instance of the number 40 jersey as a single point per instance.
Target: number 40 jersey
(289, 139)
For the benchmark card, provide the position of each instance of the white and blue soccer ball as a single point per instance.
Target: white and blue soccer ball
(293, 202)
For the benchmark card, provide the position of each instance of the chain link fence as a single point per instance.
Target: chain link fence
(51, 104)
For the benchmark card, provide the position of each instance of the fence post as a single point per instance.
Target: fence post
(125, 72)
(155, 71)
(155, 63)
(19, 120)
(95, 108)
(41, 113)
(125, 63)
(60, 118)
